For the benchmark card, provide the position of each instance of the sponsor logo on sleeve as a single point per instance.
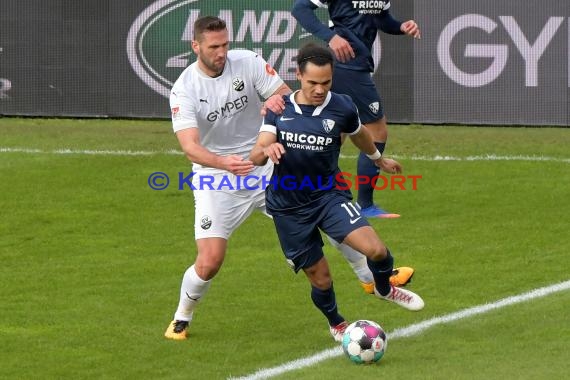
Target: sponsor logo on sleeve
(175, 112)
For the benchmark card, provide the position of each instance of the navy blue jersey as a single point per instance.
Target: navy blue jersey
(356, 21)
(311, 137)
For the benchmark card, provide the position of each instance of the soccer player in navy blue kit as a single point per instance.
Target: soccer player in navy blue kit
(304, 197)
(355, 27)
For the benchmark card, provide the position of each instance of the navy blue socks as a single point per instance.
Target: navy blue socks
(325, 301)
(382, 270)
(366, 167)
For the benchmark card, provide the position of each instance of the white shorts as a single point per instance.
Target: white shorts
(223, 201)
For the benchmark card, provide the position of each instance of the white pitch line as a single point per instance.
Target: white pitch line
(487, 157)
(91, 152)
(411, 330)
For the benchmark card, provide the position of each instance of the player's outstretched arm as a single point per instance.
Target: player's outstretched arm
(388, 24)
(304, 13)
(363, 141)
(189, 140)
(266, 147)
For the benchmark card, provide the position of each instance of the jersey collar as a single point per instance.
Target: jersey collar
(317, 110)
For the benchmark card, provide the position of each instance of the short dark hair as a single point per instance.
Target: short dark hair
(314, 53)
(207, 24)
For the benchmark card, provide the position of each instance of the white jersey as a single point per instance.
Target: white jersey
(225, 109)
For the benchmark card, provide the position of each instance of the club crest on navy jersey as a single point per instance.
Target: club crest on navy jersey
(238, 84)
(328, 125)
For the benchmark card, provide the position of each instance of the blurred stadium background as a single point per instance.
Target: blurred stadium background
(489, 62)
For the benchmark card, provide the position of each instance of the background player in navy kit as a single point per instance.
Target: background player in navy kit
(355, 27)
(304, 143)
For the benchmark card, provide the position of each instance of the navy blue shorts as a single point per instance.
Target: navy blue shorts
(361, 88)
(298, 230)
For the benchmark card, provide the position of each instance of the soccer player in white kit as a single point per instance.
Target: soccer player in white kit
(216, 117)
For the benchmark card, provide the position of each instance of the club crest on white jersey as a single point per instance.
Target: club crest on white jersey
(238, 84)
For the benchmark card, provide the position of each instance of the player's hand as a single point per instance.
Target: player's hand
(275, 103)
(237, 165)
(388, 165)
(274, 151)
(410, 28)
(341, 48)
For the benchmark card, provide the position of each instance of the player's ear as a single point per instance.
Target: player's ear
(195, 46)
(298, 73)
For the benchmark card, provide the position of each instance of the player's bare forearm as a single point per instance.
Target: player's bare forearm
(363, 141)
(189, 140)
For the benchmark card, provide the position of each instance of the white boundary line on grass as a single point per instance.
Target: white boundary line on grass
(487, 157)
(410, 330)
(90, 152)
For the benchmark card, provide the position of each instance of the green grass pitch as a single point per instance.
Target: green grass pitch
(91, 261)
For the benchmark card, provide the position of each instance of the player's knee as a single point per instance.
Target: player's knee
(319, 277)
(370, 245)
(322, 283)
(207, 271)
(378, 251)
(207, 266)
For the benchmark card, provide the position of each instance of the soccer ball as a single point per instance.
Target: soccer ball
(364, 342)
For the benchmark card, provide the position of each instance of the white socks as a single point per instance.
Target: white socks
(356, 260)
(192, 290)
